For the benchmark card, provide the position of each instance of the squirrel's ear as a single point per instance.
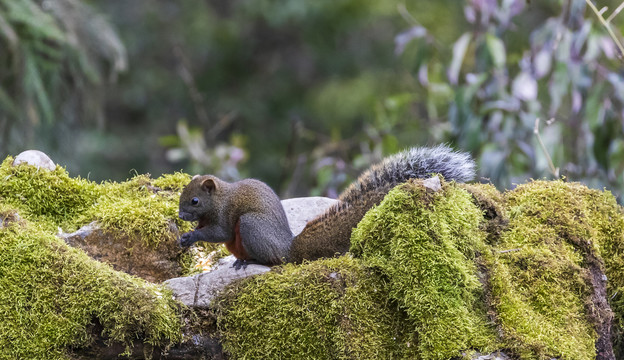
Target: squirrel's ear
(195, 177)
(209, 185)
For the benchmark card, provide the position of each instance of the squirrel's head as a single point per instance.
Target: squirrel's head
(198, 200)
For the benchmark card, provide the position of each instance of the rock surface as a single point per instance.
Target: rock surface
(199, 290)
(35, 158)
(301, 210)
(131, 256)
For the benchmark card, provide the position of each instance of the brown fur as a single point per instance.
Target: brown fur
(330, 233)
(235, 246)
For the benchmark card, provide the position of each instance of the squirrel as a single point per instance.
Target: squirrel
(248, 217)
(245, 215)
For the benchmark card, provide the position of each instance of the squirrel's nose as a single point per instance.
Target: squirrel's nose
(185, 216)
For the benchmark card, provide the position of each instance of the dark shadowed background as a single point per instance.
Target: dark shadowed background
(305, 94)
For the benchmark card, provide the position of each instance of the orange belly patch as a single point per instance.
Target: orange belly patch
(235, 246)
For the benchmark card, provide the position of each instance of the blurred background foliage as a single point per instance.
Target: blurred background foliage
(306, 94)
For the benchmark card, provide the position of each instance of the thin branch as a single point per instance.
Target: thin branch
(223, 123)
(553, 169)
(605, 23)
(184, 71)
(406, 14)
(614, 13)
(508, 251)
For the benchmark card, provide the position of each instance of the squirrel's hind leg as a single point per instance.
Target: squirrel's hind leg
(262, 240)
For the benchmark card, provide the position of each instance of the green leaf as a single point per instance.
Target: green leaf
(496, 48)
(459, 52)
(34, 84)
(38, 23)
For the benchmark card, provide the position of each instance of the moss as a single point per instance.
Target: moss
(136, 207)
(172, 182)
(426, 244)
(492, 204)
(144, 208)
(606, 219)
(540, 272)
(334, 308)
(52, 294)
(52, 197)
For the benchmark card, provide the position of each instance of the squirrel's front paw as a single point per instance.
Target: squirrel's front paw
(186, 239)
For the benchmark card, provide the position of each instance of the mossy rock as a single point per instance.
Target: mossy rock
(52, 295)
(441, 275)
(427, 243)
(136, 222)
(326, 309)
(547, 274)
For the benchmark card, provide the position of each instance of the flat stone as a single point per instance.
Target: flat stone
(35, 158)
(433, 183)
(301, 210)
(199, 290)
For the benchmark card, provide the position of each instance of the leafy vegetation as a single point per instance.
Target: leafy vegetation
(499, 83)
(306, 95)
(58, 56)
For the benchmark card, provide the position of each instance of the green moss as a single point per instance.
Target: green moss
(136, 207)
(50, 295)
(492, 204)
(606, 219)
(52, 197)
(426, 244)
(172, 182)
(539, 272)
(326, 309)
(140, 206)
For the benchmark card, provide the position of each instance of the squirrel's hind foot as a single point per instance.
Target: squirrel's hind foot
(242, 264)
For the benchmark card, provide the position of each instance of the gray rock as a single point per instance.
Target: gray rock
(493, 356)
(127, 253)
(200, 290)
(433, 183)
(35, 158)
(301, 210)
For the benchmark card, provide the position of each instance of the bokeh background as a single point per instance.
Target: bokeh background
(304, 95)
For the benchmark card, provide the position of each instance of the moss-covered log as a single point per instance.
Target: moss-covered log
(537, 271)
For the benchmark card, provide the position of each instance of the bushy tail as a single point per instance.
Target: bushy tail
(330, 233)
(412, 163)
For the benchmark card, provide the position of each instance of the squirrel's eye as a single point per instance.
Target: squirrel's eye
(194, 201)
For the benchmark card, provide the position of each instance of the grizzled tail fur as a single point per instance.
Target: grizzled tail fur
(330, 233)
(413, 163)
